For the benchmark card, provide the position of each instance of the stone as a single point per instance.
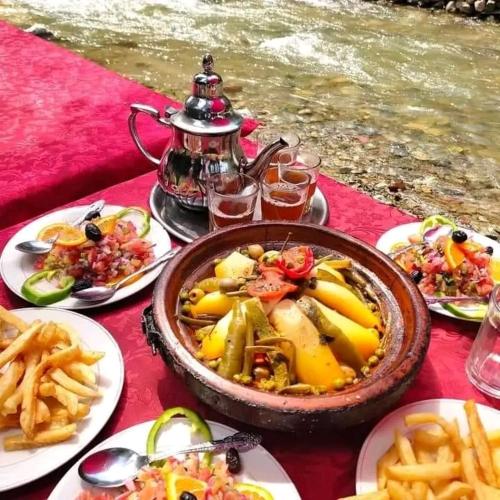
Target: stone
(345, 170)
(451, 6)
(232, 88)
(398, 149)
(465, 7)
(490, 6)
(397, 185)
(41, 31)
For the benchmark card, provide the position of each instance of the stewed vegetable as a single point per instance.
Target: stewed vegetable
(285, 321)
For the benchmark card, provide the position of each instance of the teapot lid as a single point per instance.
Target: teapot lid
(207, 111)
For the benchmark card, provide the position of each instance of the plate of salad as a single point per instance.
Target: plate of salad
(446, 262)
(253, 475)
(106, 247)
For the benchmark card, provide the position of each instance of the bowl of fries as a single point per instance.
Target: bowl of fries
(436, 449)
(49, 381)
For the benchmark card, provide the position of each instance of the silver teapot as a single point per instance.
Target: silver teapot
(204, 140)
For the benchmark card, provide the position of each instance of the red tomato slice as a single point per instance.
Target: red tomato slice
(270, 286)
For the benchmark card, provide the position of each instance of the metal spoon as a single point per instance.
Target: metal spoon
(39, 247)
(100, 293)
(115, 466)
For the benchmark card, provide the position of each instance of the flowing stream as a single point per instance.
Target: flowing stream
(400, 102)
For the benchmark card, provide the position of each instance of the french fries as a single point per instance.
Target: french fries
(47, 383)
(435, 462)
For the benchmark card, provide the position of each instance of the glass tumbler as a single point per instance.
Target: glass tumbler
(231, 199)
(309, 162)
(283, 193)
(483, 363)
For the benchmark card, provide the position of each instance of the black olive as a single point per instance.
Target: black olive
(459, 236)
(93, 215)
(92, 232)
(416, 276)
(185, 495)
(489, 250)
(81, 285)
(233, 461)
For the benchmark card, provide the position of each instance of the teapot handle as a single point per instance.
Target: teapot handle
(153, 113)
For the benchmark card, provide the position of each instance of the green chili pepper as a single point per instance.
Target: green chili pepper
(56, 287)
(198, 425)
(234, 348)
(143, 225)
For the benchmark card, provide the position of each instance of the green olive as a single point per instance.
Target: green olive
(365, 370)
(380, 353)
(195, 295)
(373, 361)
(184, 295)
(186, 308)
(228, 285)
(269, 257)
(339, 384)
(255, 251)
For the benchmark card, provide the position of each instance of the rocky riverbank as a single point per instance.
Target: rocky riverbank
(477, 8)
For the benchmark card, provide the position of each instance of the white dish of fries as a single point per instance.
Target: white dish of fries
(67, 351)
(421, 441)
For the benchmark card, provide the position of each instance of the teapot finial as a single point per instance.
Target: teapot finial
(208, 63)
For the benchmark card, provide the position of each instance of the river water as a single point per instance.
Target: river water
(400, 102)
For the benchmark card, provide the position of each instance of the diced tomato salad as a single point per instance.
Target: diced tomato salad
(116, 255)
(472, 277)
(150, 483)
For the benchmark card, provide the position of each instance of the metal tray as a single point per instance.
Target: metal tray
(188, 225)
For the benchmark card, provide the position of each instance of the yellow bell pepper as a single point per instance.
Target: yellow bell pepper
(366, 340)
(213, 303)
(315, 363)
(344, 301)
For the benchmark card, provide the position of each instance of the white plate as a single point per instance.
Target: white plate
(382, 436)
(24, 466)
(401, 233)
(16, 266)
(259, 466)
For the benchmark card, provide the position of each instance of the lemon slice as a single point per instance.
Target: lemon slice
(253, 491)
(495, 269)
(175, 484)
(68, 236)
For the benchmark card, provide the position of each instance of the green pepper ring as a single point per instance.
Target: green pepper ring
(198, 424)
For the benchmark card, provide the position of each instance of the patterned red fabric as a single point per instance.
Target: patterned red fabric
(64, 130)
(320, 466)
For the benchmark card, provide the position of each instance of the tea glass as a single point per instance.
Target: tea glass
(309, 162)
(483, 364)
(231, 199)
(283, 193)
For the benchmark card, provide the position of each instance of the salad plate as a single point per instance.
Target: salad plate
(258, 465)
(16, 267)
(24, 466)
(381, 437)
(400, 235)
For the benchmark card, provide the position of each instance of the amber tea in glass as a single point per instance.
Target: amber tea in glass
(231, 199)
(283, 193)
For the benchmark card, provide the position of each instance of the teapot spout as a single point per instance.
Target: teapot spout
(255, 168)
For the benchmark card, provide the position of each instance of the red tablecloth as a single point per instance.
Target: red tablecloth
(320, 466)
(64, 130)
